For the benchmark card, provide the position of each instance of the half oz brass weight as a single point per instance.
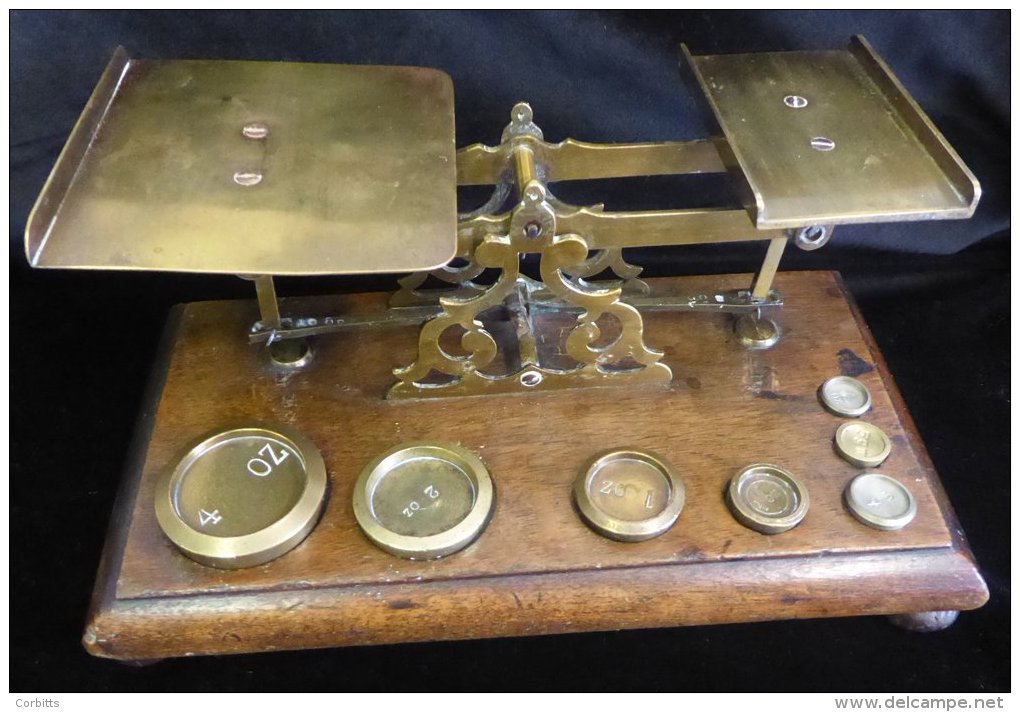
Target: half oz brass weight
(242, 497)
(767, 498)
(424, 500)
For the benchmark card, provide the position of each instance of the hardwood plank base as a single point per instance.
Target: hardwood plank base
(537, 568)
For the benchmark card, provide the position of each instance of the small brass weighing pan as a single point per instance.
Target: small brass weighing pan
(272, 168)
(242, 497)
(424, 500)
(827, 137)
(629, 495)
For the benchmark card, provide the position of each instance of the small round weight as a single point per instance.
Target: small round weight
(767, 498)
(424, 500)
(862, 444)
(880, 501)
(845, 396)
(629, 495)
(242, 497)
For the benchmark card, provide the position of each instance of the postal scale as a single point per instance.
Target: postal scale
(482, 453)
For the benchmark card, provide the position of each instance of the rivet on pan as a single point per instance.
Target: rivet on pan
(820, 143)
(256, 130)
(247, 178)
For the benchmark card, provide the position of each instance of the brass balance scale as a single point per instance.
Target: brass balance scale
(474, 457)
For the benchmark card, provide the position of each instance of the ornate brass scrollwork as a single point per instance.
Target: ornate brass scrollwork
(459, 276)
(532, 229)
(612, 259)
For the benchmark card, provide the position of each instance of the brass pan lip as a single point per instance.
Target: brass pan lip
(759, 522)
(621, 529)
(436, 545)
(258, 547)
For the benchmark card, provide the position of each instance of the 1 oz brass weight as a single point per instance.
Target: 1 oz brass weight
(629, 495)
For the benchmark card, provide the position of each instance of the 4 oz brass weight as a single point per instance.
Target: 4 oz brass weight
(242, 497)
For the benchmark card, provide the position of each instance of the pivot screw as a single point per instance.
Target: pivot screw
(530, 379)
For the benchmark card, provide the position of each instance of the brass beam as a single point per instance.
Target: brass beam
(578, 160)
(603, 230)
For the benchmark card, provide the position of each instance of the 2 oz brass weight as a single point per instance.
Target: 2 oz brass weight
(424, 500)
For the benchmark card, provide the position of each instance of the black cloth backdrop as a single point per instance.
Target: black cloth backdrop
(935, 294)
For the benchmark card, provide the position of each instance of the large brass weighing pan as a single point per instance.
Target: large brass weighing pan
(254, 168)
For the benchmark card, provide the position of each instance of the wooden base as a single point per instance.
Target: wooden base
(537, 568)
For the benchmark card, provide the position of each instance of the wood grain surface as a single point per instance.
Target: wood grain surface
(537, 568)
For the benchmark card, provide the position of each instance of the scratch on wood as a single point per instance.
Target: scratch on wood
(400, 604)
(772, 395)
